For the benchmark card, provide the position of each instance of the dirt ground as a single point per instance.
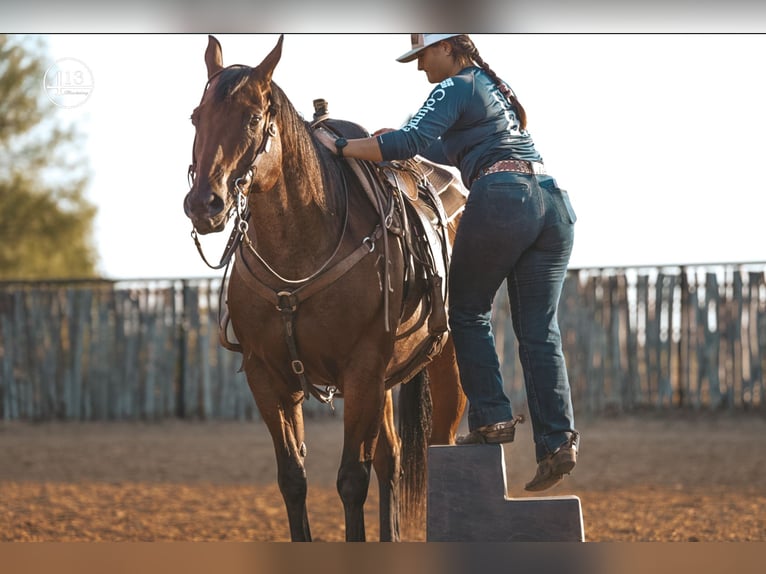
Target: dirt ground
(669, 478)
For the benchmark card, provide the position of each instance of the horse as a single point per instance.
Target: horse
(321, 291)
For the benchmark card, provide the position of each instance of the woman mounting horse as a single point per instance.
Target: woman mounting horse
(317, 295)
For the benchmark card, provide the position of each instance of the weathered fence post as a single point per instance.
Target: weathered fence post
(182, 322)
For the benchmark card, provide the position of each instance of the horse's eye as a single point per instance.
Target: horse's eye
(254, 120)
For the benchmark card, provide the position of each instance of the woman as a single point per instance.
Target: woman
(517, 226)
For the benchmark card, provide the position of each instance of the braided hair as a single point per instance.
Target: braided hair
(464, 48)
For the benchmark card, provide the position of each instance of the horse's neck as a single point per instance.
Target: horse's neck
(290, 224)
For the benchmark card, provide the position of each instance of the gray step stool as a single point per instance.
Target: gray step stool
(467, 502)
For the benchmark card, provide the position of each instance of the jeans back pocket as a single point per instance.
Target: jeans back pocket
(568, 205)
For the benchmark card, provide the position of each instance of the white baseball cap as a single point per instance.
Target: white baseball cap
(420, 42)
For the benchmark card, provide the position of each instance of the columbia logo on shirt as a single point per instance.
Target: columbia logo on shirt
(436, 96)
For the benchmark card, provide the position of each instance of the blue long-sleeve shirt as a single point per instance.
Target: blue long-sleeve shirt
(466, 122)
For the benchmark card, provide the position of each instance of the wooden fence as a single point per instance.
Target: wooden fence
(658, 338)
(638, 338)
(117, 350)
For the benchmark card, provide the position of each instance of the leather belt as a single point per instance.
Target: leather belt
(514, 165)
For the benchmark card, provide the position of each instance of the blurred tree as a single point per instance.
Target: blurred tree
(46, 223)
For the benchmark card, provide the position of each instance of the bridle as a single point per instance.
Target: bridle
(239, 194)
(242, 211)
(240, 190)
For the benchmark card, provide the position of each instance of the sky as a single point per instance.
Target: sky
(658, 138)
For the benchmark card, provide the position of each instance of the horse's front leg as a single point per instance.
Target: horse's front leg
(363, 398)
(388, 468)
(291, 472)
(284, 419)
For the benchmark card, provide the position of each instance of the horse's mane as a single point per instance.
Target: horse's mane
(301, 153)
(296, 132)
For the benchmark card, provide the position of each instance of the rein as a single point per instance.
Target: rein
(249, 244)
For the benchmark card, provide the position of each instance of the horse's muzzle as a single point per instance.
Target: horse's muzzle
(207, 211)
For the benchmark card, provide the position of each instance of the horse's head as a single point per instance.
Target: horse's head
(236, 146)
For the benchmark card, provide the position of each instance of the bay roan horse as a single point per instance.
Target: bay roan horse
(306, 297)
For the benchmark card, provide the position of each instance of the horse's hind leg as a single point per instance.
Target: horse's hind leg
(284, 419)
(446, 395)
(388, 469)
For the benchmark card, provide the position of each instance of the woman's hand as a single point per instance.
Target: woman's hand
(326, 139)
(383, 131)
(359, 148)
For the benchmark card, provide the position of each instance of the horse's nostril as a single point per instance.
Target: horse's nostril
(187, 209)
(216, 205)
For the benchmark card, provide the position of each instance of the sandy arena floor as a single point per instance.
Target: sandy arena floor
(695, 478)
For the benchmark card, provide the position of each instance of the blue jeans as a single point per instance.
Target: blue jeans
(518, 228)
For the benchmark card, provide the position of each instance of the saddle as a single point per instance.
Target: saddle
(418, 201)
(418, 174)
(425, 227)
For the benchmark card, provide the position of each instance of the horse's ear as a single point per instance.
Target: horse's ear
(213, 57)
(265, 69)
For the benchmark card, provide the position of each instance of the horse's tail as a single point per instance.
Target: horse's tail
(415, 410)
